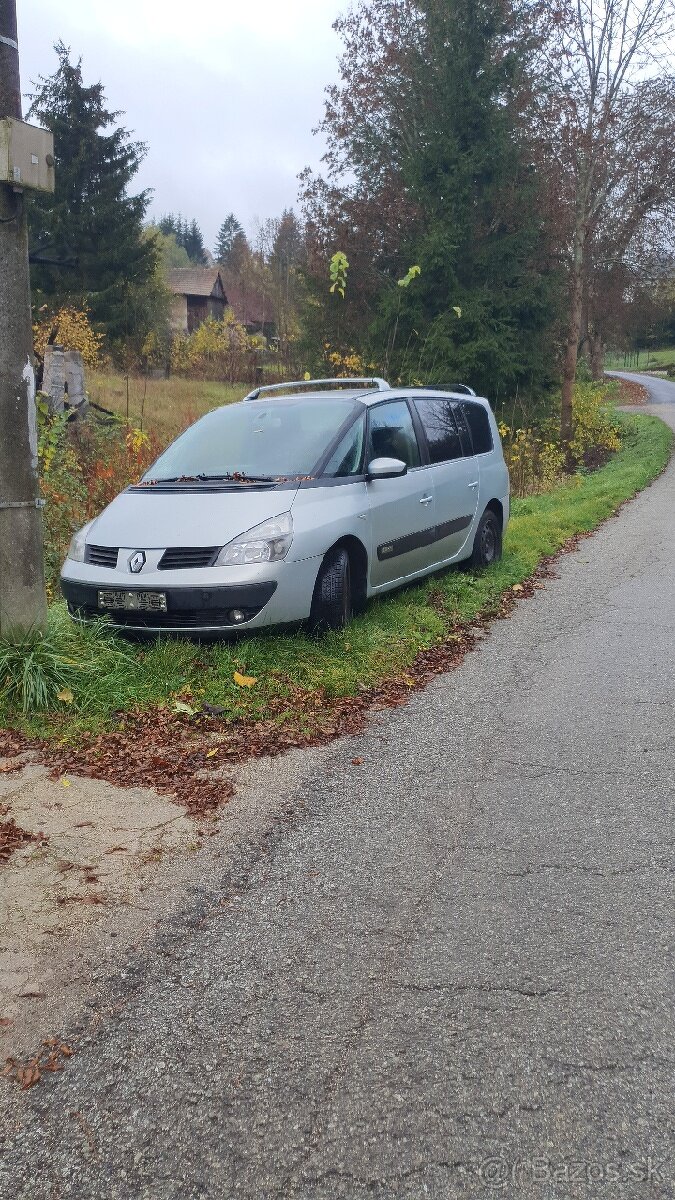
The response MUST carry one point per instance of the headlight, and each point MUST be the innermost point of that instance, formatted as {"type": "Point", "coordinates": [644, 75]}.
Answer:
{"type": "Point", "coordinates": [268, 542]}
{"type": "Point", "coordinates": [78, 543]}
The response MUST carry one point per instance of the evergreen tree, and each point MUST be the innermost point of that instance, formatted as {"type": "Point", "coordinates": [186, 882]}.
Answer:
{"type": "Point", "coordinates": [187, 234]}
{"type": "Point", "coordinates": [193, 242]}
{"type": "Point", "coordinates": [428, 164]}
{"type": "Point", "coordinates": [286, 285]}
{"type": "Point", "coordinates": [287, 252]}
{"type": "Point", "coordinates": [87, 243]}
{"type": "Point", "coordinates": [481, 309]}
{"type": "Point", "coordinates": [239, 257]}
{"type": "Point", "coordinates": [229, 229]}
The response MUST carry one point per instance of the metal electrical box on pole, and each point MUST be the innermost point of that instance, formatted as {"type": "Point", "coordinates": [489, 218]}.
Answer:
{"type": "Point", "coordinates": [26, 155]}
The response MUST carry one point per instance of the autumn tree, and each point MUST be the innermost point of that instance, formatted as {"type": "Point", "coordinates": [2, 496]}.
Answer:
{"type": "Point", "coordinates": [358, 204]}
{"type": "Point", "coordinates": [604, 118]}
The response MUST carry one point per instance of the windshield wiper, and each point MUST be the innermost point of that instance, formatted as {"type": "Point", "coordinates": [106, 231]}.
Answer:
{"type": "Point", "coordinates": [237, 477]}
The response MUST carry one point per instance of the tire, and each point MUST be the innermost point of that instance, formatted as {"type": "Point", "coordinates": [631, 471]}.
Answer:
{"type": "Point", "coordinates": [332, 604]}
{"type": "Point", "coordinates": [487, 544]}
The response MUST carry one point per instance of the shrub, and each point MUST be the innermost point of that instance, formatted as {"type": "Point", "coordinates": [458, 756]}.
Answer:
{"type": "Point", "coordinates": [594, 429]}
{"type": "Point", "coordinates": [535, 457]}
{"type": "Point", "coordinates": [216, 350]}
{"type": "Point", "coordinates": [83, 466]}
{"type": "Point", "coordinates": [71, 328]}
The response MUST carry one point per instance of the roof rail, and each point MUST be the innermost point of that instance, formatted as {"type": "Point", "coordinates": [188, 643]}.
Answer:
{"type": "Point", "coordinates": [462, 388]}
{"type": "Point", "coordinates": [373, 381]}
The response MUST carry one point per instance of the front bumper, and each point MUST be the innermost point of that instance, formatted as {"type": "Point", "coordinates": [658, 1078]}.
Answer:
{"type": "Point", "coordinates": [196, 609]}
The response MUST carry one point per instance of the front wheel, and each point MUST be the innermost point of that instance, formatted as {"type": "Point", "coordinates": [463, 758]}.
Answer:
{"type": "Point", "coordinates": [332, 604]}
{"type": "Point", "coordinates": [487, 544]}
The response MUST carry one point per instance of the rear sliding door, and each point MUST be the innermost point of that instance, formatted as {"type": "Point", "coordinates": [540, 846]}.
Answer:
{"type": "Point", "coordinates": [454, 473]}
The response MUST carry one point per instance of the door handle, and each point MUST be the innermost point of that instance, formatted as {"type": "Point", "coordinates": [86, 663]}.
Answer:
{"type": "Point", "coordinates": [426, 499]}
{"type": "Point", "coordinates": [474, 484]}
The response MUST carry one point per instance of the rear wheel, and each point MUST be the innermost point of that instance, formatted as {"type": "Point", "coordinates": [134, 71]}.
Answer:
{"type": "Point", "coordinates": [487, 544]}
{"type": "Point", "coordinates": [332, 604]}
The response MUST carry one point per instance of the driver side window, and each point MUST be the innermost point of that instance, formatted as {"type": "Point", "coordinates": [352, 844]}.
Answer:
{"type": "Point", "coordinates": [392, 434]}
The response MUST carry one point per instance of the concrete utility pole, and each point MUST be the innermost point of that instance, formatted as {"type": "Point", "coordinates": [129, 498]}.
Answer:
{"type": "Point", "coordinates": [23, 602]}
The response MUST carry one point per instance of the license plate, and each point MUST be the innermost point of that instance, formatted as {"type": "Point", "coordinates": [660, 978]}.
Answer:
{"type": "Point", "coordinates": [133, 601]}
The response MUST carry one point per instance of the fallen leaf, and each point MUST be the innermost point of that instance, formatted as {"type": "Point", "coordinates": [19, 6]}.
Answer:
{"type": "Point", "coordinates": [210, 753]}
{"type": "Point", "coordinates": [65, 782]}
{"type": "Point", "coordinates": [356, 762]}
{"type": "Point", "coordinates": [65, 695]}
{"type": "Point", "coordinates": [180, 706]}
{"type": "Point", "coordinates": [5, 1021]}
{"type": "Point", "coordinates": [28, 1075]}
{"type": "Point", "coordinates": [244, 680]}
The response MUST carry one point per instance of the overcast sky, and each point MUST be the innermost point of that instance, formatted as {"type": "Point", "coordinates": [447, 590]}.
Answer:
{"type": "Point", "coordinates": [225, 93]}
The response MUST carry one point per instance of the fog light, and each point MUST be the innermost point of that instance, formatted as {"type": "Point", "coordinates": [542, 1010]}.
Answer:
{"type": "Point", "coordinates": [237, 616]}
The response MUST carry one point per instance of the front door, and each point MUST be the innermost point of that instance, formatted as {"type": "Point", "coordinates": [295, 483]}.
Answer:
{"type": "Point", "coordinates": [402, 517]}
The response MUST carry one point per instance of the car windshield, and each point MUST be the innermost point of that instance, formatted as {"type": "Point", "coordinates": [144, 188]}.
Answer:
{"type": "Point", "coordinates": [254, 441]}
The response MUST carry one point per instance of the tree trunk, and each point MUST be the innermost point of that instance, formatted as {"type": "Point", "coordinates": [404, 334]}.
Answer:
{"type": "Point", "coordinates": [597, 357]}
{"type": "Point", "coordinates": [575, 317]}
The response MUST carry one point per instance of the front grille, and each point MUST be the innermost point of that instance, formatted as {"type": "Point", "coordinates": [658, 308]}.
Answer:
{"type": "Point", "coordinates": [101, 556]}
{"type": "Point", "coordinates": [218, 617]}
{"type": "Point", "coordinates": [186, 558]}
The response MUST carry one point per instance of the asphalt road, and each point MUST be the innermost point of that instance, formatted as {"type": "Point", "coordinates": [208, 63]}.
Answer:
{"type": "Point", "coordinates": [445, 972]}
{"type": "Point", "coordinates": [661, 391]}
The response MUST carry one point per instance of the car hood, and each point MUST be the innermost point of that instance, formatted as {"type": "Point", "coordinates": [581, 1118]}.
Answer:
{"type": "Point", "coordinates": [149, 519]}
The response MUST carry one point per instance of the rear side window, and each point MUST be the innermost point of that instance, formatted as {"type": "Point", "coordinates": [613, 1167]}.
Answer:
{"type": "Point", "coordinates": [464, 431]}
{"type": "Point", "coordinates": [440, 428]}
{"type": "Point", "coordinates": [479, 424]}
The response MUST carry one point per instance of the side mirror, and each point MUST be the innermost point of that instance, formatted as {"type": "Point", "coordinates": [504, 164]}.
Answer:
{"type": "Point", "coordinates": [386, 468]}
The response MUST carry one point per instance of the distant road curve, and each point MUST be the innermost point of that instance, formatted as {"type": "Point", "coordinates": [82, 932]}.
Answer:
{"type": "Point", "coordinates": [661, 391]}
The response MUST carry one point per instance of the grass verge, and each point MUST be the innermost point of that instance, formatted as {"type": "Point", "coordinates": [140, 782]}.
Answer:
{"type": "Point", "coordinates": [298, 677]}
{"type": "Point", "coordinates": [161, 406]}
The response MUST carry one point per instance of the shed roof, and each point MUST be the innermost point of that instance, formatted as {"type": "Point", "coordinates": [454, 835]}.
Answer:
{"type": "Point", "coordinates": [194, 281]}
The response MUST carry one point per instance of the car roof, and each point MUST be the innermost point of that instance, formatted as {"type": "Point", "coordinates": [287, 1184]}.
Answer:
{"type": "Point", "coordinates": [367, 398]}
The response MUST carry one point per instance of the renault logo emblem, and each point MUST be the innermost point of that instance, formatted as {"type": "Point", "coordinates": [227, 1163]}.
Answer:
{"type": "Point", "coordinates": [137, 561]}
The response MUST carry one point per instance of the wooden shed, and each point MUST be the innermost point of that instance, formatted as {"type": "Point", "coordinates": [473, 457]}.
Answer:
{"type": "Point", "coordinates": [198, 293]}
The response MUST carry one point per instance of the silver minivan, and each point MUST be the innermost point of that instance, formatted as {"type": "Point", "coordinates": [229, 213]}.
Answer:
{"type": "Point", "coordinates": [296, 504]}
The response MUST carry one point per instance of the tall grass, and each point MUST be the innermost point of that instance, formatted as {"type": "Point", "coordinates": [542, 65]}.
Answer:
{"type": "Point", "coordinates": [161, 406]}
{"type": "Point", "coordinates": [46, 671]}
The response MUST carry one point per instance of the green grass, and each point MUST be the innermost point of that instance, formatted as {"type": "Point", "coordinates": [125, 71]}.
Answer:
{"type": "Point", "coordinates": [382, 642]}
{"type": "Point", "coordinates": [642, 360]}
{"type": "Point", "coordinates": [161, 406]}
